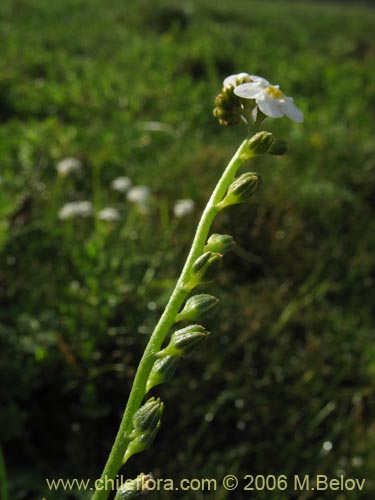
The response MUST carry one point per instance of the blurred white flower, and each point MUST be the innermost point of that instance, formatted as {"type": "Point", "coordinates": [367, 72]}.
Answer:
{"type": "Point", "coordinates": [76, 209]}
{"type": "Point", "coordinates": [109, 214]}
{"type": "Point", "coordinates": [232, 79]}
{"type": "Point", "coordinates": [68, 165]}
{"type": "Point", "coordinates": [269, 98]}
{"type": "Point", "coordinates": [121, 184]}
{"type": "Point", "coordinates": [183, 207]}
{"type": "Point", "coordinates": [138, 194]}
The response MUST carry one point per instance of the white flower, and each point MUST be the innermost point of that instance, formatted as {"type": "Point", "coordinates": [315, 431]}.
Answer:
{"type": "Point", "coordinates": [121, 184]}
{"type": "Point", "coordinates": [138, 194]}
{"type": "Point", "coordinates": [68, 165]}
{"type": "Point", "coordinates": [183, 207]}
{"type": "Point", "coordinates": [109, 214]}
{"type": "Point", "coordinates": [76, 209]}
{"type": "Point", "coordinates": [232, 79]}
{"type": "Point", "coordinates": [269, 98]}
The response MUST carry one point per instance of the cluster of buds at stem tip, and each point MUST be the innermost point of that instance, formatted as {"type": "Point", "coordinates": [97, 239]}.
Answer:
{"type": "Point", "coordinates": [228, 106]}
{"type": "Point", "coordinates": [135, 487]}
{"type": "Point", "coordinates": [196, 307]}
{"type": "Point", "coordinates": [146, 423]}
{"type": "Point", "coordinates": [241, 189]}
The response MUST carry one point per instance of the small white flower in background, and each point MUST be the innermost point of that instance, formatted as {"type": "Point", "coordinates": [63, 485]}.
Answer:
{"type": "Point", "coordinates": [109, 214]}
{"type": "Point", "coordinates": [269, 98]}
{"type": "Point", "coordinates": [76, 209]}
{"type": "Point", "coordinates": [138, 194]}
{"type": "Point", "coordinates": [183, 207]}
{"type": "Point", "coordinates": [68, 165]}
{"type": "Point", "coordinates": [121, 184]}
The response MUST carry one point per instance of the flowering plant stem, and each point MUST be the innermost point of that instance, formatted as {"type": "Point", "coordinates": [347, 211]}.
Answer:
{"type": "Point", "coordinates": [167, 319]}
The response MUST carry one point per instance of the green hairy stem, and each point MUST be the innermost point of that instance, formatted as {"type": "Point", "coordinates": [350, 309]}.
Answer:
{"type": "Point", "coordinates": [137, 393]}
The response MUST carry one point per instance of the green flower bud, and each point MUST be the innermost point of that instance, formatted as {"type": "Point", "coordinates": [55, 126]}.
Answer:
{"type": "Point", "coordinates": [241, 189]}
{"type": "Point", "coordinates": [146, 422]}
{"type": "Point", "coordinates": [184, 341]}
{"type": "Point", "coordinates": [147, 417]}
{"type": "Point", "coordinates": [220, 243]}
{"type": "Point", "coordinates": [134, 487]}
{"type": "Point", "coordinates": [258, 144]}
{"type": "Point", "coordinates": [162, 371]}
{"type": "Point", "coordinates": [196, 307]}
{"type": "Point", "coordinates": [140, 443]}
{"type": "Point", "coordinates": [204, 269]}
{"type": "Point", "coordinates": [278, 147]}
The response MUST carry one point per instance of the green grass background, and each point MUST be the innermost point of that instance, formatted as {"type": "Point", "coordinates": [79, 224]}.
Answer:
{"type": "Point", "coordinates": [291, 361]}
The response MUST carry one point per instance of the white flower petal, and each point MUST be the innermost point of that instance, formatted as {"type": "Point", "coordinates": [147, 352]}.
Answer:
{"type": "Point", "coordinates": [261, 81]}
{"type": "Point", "coordinates": [231, 80]}
{"type": "Point", "coordinates": [291, 110]}
{"type": "Point", "coordinates": [270, 106]}
{"type": "Point", "coordinates": [248, 90]}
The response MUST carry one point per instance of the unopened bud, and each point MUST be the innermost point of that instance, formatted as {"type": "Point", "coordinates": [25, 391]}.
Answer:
{"type": "Point", "coordinates": [205, 268]}
{"type": "Point", "coordinates": [162, 371]}
{"type": "Point", "coordinates": [140, 443]}
{"type": "Point", "coordinates": [278, 147]}
{"type": "Point", "coordinates": [241, 189]}
{"type": "Point", "coordinates": [184, 341]}
{"type": "Point", "coordinates": [196, 307]}
{"type": "Point", "coordinates": [258, 144]}
{"type": "Point", "coordinates": [146, 422]}
{"type": "Point", "coordinates": [147, 417]}
{"type": "Point", "coordinates": [134, 487]}
{"type": "Point", "coordinates": [220, 243]}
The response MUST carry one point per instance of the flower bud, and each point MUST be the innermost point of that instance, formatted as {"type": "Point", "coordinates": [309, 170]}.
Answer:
{"type": "Point", "coordinates": [140, 443]}
{"type": "Point", "coordinates": [146, 422]}
{"type": "Point", "coordinates": [241, 189]}
{"type": "Point", "coordinates": [220, 243]}
{"type": "Point", "coordinates": [278, 147]}
{"type": "Point", "coordinates": [162, 371]}
{"type": "Point", "coordinates": [196, 307]}
{"type": "Point", "coordinates": [184, 341]}
{"type": "Point", "coordinates": [134, 487]}
{"type": "Point", "coordinates": [147, 417]}
{"type": "Point", "coordinates": [257, 145]}
{"type": "Point", "coordinates": [205, 268]}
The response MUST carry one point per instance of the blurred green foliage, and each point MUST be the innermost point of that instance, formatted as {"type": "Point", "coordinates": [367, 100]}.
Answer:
{"type": "Point", "coordinates": [128, 89]}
